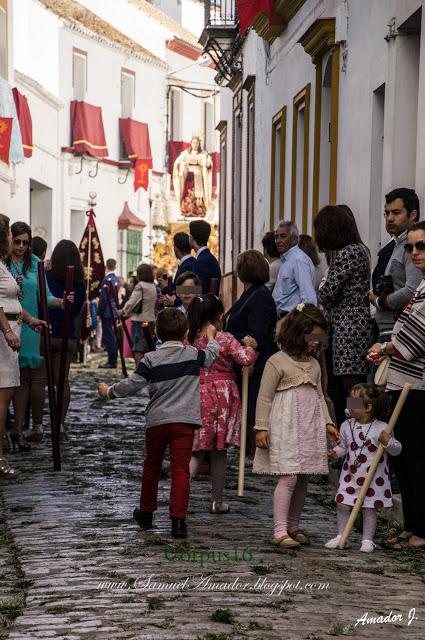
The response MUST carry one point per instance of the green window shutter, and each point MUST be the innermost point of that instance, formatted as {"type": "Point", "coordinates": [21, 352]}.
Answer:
{"type": "Point", "coordinates": [134, 249]}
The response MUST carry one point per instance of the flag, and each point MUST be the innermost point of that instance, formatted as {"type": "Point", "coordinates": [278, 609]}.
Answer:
{"type": "Point", "coordinates": [248, 10]}
{"type": "Point", "coordinates": [94, 271]}
{"type": "Point", "coordinates": [5, 138]}
{"type": "Point", "coordinates": [141, 173]}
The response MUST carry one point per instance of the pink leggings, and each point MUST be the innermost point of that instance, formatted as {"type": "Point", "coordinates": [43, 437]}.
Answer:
{"type": "Point", "coordinates": [288, 502]}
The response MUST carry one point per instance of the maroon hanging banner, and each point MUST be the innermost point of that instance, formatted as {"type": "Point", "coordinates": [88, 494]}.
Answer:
{"type": "Point", "coordinates": [248, 11]}
{"type": "Point", "coordinates": [94, 270]}
{"type": "Point", "coordinates": [25, 121]}
{"type": "Point", "coordinates": [136, 139]}
{"type": "Point", "coordinates": [88, 135]}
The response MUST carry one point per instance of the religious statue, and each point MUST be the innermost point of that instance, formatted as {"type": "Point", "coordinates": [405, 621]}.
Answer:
{"type": "Point", "coordinates": [192, 180]}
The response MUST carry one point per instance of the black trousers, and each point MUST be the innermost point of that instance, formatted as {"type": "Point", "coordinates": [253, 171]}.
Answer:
{"type": "Point", "coordinates": [109, 340]}
{"type": "Point", "coordinates": [409, 465]}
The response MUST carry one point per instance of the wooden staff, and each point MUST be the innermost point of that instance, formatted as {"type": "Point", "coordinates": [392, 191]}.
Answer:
{"type": "Point", "coordinates": [64, 349]}
{"type": "Point", "coordinates": [241, 477]}
{"type": "Point", "coordinates": [213, 286]}
{"type": "Point", "coordinates": [148, 336]}
{"type": "Point", "coordinates": [359, 501]}
{"type": "Point", "coordinates": [49, 368]}
{"type": "Point", "coordinates": [107, 291]}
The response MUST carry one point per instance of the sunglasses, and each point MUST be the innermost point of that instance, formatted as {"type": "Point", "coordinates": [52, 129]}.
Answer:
{"type": "Point", "coordinates": [18, 242]}
{"type": "Point", "coordinates": [419, 246]}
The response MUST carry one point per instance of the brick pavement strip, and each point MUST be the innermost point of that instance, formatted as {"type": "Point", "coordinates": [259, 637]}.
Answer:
{"type": "Point", "coordinates": [75, 566]}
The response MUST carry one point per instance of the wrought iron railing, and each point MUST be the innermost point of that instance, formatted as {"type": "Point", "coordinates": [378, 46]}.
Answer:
{"type": "Point", "coordinates": [220, 13]}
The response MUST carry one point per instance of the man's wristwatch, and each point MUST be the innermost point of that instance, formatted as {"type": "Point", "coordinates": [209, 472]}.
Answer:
{"type": "Point", "coordinates": [384, 349]}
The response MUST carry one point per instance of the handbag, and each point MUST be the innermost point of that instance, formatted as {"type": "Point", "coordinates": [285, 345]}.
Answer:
{"type": "Point", "coordinates": [381, 375]}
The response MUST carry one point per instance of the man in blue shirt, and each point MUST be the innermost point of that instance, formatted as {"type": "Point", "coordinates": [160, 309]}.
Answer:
{"type": "Point", "coordinates": [295, 281]}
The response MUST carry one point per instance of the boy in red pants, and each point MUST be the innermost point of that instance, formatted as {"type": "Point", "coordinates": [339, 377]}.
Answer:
{"type": "Point", "coordinates": [172, 414]}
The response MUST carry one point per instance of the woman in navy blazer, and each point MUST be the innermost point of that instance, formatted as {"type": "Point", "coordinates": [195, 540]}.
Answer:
{"type": "Point", "coordinates": [254, 314]}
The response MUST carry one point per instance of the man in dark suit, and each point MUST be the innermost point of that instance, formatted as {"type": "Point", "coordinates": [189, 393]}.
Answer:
{"type": "Point", "coordinates": [108, 336]}
{"type": "Point", "coordinates": [182, 250]}
{"type": "Point", "coordinates": [206, 265]}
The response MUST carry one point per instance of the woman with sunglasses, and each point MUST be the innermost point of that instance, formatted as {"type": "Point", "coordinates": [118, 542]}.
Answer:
{"type": "Point", "coordinates": [407, 351]}
{"type": "Point", "coordinates": [11, 317]}
{"type": "Point", "coordinates": [23, 267]}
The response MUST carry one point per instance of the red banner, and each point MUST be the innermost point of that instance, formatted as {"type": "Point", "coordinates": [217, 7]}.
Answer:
{"type": "Point", "coordinates": [5, 137]}
{"type": "Point", "coordinates": [25, 121]}
{"type": "Point", "coordinates": [136, 138]}
{"type": "Point", "coordinates": [88, 135]}
{"type": "Point", "coordinates": [94, 271]}
{"type": "Point", "coordinates": [248, 10]}
{"type": "Point", "coordinates": [141, 173]}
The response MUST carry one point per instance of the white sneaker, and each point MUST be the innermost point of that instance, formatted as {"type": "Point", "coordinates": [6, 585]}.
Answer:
{"type": "Point", "coordinates": [333, 544]}
{"type": "Point", "coordinates": [367, 546]}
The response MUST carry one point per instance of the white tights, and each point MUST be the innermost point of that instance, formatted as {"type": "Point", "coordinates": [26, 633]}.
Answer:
{"type": "Point", "coordinates": [218, 470]}
{"type": "Point", "coordinates": [370, 517]}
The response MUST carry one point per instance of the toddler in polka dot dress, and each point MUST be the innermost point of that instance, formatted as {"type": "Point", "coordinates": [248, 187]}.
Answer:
{"type": "Point", "coordinates": [360, 436]}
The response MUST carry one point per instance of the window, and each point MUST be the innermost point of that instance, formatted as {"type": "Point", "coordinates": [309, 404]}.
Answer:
{"type": "Point", "coordinates": [3, 39]}
{"type": "Point", "coordinates": [79, 73]}
{"type": "Point", "coordinates": [236, 177]}
{"type": "Point", "coordinates": [277, 184]}
{"type": "Point", "coordinates": [250, 168]}
{"type": "Point", "coordinates": [134, 249]}
{"type": "Point", "coordinates": [175, 114]}
{"type": "Point", "coordinates": [222, 127]}
{"type": "Point", "coordinates": [208, 125]}
{"type": "Point", "coordinates": [128, 93]}
{"type": "Point", "coordinates": [130, 243]}
{"type": "Point", "coordinates": [300, 158]}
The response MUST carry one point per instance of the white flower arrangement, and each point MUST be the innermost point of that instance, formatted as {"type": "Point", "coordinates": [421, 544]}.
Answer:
{"type": "Point", "coordinates": [300, 307]}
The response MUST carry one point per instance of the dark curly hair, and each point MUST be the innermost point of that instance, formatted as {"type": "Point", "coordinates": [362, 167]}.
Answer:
{"type": "Point", "coordinates": [296, 325]}
{"type": "Point", "coordinates": [4, 236]}
{"type": "Point", "coordinates": [376, 396]}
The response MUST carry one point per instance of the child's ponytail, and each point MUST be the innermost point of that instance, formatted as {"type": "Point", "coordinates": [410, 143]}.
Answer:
{"type": "Point", "coordinates": [201, 311]}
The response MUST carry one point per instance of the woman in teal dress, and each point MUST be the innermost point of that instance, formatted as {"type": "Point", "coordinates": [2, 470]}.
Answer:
{"type": "Point", "coordinates": [23, 267]}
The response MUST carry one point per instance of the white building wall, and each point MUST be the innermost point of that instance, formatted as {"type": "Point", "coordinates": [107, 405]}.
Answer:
{"type": "Point", "coordinates": [35, 53]}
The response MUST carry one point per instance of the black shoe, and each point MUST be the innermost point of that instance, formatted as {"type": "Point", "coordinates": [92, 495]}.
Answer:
{"type": "Point", "coordinates": [143, 518]}
{"type": "Point", "coordinates": [178, 528]}
{"type": "Point", "coordinates": [107, 366]}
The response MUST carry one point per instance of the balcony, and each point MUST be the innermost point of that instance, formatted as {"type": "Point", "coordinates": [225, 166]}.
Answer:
{"type": "Point", "coordinates": [221, 39]}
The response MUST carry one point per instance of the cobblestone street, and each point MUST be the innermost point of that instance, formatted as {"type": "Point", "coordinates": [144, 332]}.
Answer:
{"type": "Point", "coordinates": [75, 566]}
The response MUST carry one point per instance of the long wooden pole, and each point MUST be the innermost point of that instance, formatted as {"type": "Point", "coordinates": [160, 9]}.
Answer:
{"type": "Point", "coordinates": [359, 502]}
{"type": "Point", "coordinates": [49, 367]}
{"type": "Point", "coordinates": [64, 349]}
{"type": "Point", "coordinates": [241, 477]}
{"type": "Point", "coordinates": [107, 291]}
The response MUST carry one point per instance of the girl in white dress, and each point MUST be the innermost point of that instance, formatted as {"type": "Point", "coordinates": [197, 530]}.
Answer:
{"type": "Point", "coordinates": [360, 436]}
{"type": "Point", "coordinates": [292, 421]}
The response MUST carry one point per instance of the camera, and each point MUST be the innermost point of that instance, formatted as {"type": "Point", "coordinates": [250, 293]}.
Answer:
{"type": "Point", "coordinates": [384, 286]}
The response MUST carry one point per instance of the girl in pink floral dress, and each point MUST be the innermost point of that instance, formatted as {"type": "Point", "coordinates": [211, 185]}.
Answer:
{"type": "Point", "coordinates": [220, 401]}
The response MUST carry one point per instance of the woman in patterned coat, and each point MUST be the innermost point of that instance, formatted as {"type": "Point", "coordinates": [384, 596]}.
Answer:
{"type": "Point", "coordinates": [344, 297]}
